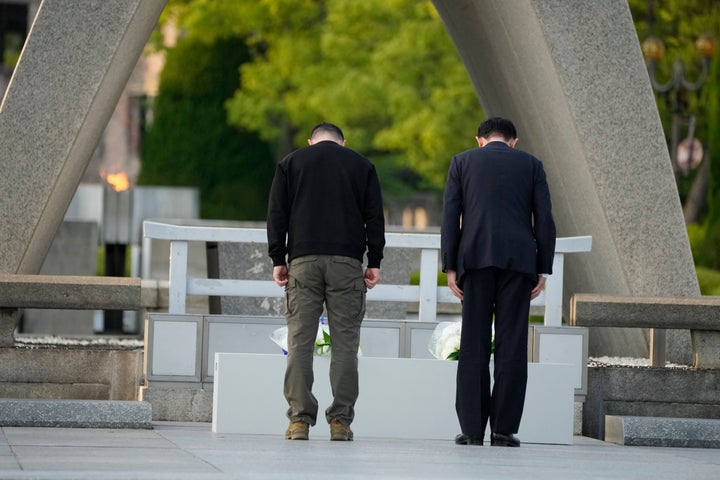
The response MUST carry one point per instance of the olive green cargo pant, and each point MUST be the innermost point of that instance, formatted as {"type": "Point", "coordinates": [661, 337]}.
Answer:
{"type": "Point", "coordinates": [337, 283]}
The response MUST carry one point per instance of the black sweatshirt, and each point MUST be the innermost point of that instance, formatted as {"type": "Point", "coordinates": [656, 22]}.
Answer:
{"type": "Point", "coordinates": [326, 198]}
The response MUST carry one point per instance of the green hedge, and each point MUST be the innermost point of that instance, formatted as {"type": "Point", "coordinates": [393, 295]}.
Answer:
{"type": "Point", "coordinates": [190, 142]}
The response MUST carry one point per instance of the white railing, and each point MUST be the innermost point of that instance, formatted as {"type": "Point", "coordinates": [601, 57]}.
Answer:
{"type": "Point", "coordinates": [428, 294]}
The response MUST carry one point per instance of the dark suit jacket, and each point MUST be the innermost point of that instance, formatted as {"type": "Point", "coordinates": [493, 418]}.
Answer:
{"type": "Point", "coordinates": [497, 212]}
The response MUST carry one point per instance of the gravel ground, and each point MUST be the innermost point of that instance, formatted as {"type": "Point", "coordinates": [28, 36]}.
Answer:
{"type": "Point", "coordinates": [626, 362]}
{"type": "Point", "coordinates": [90, 342]}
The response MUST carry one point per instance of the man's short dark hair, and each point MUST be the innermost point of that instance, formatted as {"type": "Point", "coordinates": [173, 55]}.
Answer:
{"type": "Point", "coordinates": [326, 127]}
{"type": "Point", "coordinates": [497, 125]}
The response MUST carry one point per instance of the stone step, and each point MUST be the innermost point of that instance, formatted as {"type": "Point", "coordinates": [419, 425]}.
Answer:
{"type": "Point", "coordinates": [662, 431]}
{"type": "Point", "coordinates": [75, 413]}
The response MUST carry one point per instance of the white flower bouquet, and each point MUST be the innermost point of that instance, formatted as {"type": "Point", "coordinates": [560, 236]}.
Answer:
{"type": "Point", "coordinates": [322, 340]}
{"type": "Point", "coordinates": [444, 342]}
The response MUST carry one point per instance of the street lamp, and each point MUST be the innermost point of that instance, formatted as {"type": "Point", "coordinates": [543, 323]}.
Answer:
{"type": "Point", "coordinates": [675, 91]}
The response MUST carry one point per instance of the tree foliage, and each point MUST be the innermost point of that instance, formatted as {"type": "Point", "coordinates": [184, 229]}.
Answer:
{"type": "Point", "coordinates": [706, 249]}
{"type": "Point", "coordinates": [384, 70]}
{"type": "Point", "coordinates": [679, 23]}
{"type": "Point", "coordinates": [190, 142]}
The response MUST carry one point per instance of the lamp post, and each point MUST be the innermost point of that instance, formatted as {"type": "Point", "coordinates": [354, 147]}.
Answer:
{"type": "Point", "coordinates": [676, 92]}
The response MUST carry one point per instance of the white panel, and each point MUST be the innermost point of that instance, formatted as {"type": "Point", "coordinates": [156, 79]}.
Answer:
{"type": "Point", "coordinates": [558, 348]}
{"type": "Point", "coordinates": [419, 338]}
{"type": "Point", "coordinates": [174, 348]}
{"type": "Point", "coordinates": [248, 399]}
{"type": "Point", "coordinates": [228, 337]}
{"type": "Point", "coordinates": [380, 342]}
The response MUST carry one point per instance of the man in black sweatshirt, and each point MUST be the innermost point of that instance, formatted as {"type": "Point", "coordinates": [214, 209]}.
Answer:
{"type": "Point", "coordinates": [324, 213]}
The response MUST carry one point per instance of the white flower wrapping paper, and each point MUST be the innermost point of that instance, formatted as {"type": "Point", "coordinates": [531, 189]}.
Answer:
{"type": "Point", "coordinates": [445, 340]}
{"type": "Point", "coordinates": [279, 336]}
{"type": "Point", "coordinates": [322, 340]}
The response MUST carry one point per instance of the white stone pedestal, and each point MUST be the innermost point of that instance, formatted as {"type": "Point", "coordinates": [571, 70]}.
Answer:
{"type": "Point", "coordinates": [399, 398]}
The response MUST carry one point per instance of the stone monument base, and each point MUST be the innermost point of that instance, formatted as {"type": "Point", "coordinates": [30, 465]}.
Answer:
{"type": "Point", "coordinates": [77, 373]}
{"type": "Point", "coordinates": [649, 392]}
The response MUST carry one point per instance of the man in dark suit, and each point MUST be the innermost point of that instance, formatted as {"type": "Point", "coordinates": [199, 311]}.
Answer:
{"type": "Point", "coordinates": [498, 243]}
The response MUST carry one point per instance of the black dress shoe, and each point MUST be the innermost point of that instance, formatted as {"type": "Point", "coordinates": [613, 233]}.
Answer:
{"type": "Point", "coordinates": [463, 439]}
{"type": "Point", "coordinates": [500, 440]}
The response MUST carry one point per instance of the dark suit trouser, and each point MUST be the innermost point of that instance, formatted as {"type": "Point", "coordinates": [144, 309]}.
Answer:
{"type": "Point", "coordinates": [505, 295]}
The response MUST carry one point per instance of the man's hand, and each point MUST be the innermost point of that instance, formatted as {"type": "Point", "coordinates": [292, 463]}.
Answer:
{"type": "Point", "coordinates": [538, 287]}
{"type": "Point", "coordinates": [372, 277]}
{"type": "Point", "coordinates": [452, 283]}
{"type": "Point", "coordinates": [280, 275]}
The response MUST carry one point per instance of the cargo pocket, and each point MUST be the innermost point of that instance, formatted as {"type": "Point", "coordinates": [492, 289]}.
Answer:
{"type": "Point", "coordinates": [360, 290]}
{"type": "Point", "coordinates": [291, 296]}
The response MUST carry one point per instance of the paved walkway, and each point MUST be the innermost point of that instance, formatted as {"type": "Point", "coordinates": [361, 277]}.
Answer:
{"type": "Point", "coordinates": [192, 451]}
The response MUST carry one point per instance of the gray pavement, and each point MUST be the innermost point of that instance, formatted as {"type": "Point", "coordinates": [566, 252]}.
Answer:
{"type": "Point", "coordinates": [191, 451]}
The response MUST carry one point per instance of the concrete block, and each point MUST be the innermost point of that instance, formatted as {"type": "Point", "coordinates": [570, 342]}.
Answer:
{"type": "Point", "coordinates": [69, 291]}
{"type": "Point", "coordinates": [118, 370]}
{"type": "Point", "coordinates": [75, 413]}
{"type": "Point", "coordinates": [706, 347]}
{"type": "Point", "coordinates": [697, 313]}
{"type": "Point", "coordinates": [46, 390]}
{"type": "Point", "coordinates": [8, 325]}
{"type": "Point", "coordinates": [178, 404]}
{"type": "Point", "coordinates": [577, 418]}
{"type": "Point", "coordinates": [662, 432]}
{"type": "Point", "coordinates": [247, 261]}
{"type": "Point", "coordinates": [665, 392]}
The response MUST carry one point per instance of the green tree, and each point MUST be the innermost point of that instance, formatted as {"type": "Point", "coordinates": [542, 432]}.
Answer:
{"type": "Point", "coordinates": [385, 70]}
{"type": "Point", "coordinates": [190, 142]}
{"type": "Point", "coordinates": [679, 23]}
{"type": "Point", "coordinates": [706, 251]}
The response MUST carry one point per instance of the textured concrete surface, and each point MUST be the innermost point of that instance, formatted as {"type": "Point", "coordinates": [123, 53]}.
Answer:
{"type": "Point", "coordinates": [662, 432]}
{"type": "Point", "coordinates": [698, 314]}
{"type": "Point", "coordinates": [706, 347]}
{"type": "Point", "coordinates": [8, 324]}
{"type": "Point", "coordinates": [192, 451]}
{"type": "Point", "coordinates": [64, 292]}
{"type": "Point", "coordinates": [70, 291]}
{"type": "Point", "coordinates": [80, 373]}
{"type": "Point", "coordinates": [179, 404]}
{"type": "Point", "coordinates": [649, 392]}
{"type": "Point", "coordinates": [572, 77]}
{"type": "Point", "coordinates": [75, 63]}
{"type": "Point", "coordinates": [75, 413]}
